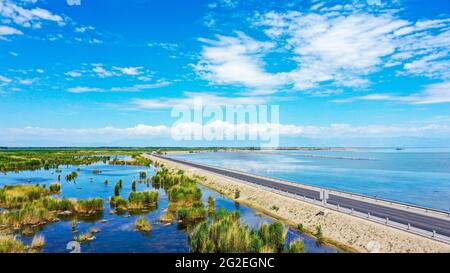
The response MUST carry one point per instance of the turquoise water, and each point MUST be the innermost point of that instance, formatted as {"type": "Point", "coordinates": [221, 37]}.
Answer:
{"type": "Point", "coordinates": [419, 176]}
{"type": "Point", "coordinates": [118, 233]}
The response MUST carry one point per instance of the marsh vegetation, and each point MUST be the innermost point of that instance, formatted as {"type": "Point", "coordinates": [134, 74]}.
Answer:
{"type": "Point", "coordinates": [142, 224]}
{"type": "Point", "coordinates": [224, 233]}
{"type": "Point", "coordinates": [34, 211]}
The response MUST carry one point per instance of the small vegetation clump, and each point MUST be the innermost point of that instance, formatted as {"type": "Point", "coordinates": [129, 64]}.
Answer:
{"type": "Point", "coordinates": [184, 193]}
{"type": "Point", "coordinates": [34, 159]}
{"type": "Point", "coordinates": [143, 224]}
{"type": "Point", "coordinates": [142, 175]}
{"type": "Point", "coordinates": [55, 187]}
{"type": "Point", "coordinates": [193, 213]}
{"type": "Point", "coordinates": [117, 188]}
{"type": "Point", "coordinates": [89, 206]}
{"type": "Point", "coordinates": [32, 213]}
{"type": "Point", "coordinates": [17, 195]}
{"type": "Point", "coordinates": [225, 234]}
{"type": "Point", "coordinates": [38, 242]}
{"type": "Point", "coordinates": [118, 202]}
{"type": "Point", "coordinates": [88, 236]}
{"type": "Point", "coordinates": [143, 200]}
{"type": "Point", "coordinates": [275, 208]}
{"type": "Point", "coordinates": [96, 171]}
{"type": "Point", "coordinates": [138, 160]}
{"type": "Point", "coordinates": [211, 205]}
{"type": "Point", "coordinates": [297, 247]}
{"type": "Point", "coordinates": [319, 235]}
{"type": "Point", "coordinates": [166, 217]}
{"type": "Point", "coordinates": [71, 176]}
{"type": "Point", "coordinates": [237, 194]}
{"type": "Point", "coordinates": [58, 204]}
{"type": "Point", "coordinates": [10, 244]}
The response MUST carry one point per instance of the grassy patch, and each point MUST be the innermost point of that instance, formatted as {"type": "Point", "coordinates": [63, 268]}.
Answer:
{"type": "Point", "coordinates": [88, 236]}
{"type": "Point", "coordinates": [118, 202]}
{"type": "Point", "coordinates": [38, 242]}
{"type": "Point", "coordinates": [33, 213]}
{"type": "Point", "coordinates": [142, 200]}
{"type": "Point", "coordinates": [211, 205]}
{"type": "Point", "coordinates": [55, 187]}
{"type": "Point", "coordinates": [143, 224]}
{"type": "Point", "coordinates": [225, 234]}
{"type": "Point", "coordinates": [193, 213]}
{"type": "Point", "coordinates": [17, 195]}
{"type": "Point", "coordinates": [88, 206]}
{"type": "Point", "coordinates": [9, 244]}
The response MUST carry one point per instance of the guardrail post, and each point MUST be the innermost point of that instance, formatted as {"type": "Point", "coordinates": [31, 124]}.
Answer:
{"type": "Point", "coordinates": [338, 206]}
{"type": "Point", "coordinates": [352, 211]}
{"type": "Point", "coordinates": [368, 215]}
{"type": "Point", "coordinates": [409, 226]}
{"type": "Point", "coordinates": [434, 233]}
{"type": "Point", "coordinates": [387, 220]}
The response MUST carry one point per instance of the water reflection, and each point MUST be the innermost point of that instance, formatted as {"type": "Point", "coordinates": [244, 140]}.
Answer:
{"type": "Point", "coordinates": [116, 230]}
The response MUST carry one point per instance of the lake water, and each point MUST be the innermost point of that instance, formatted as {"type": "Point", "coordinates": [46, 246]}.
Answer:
{"type": "Point", "coordinates": [118, 233]}
{"type": "Point", "coordinates": [419, 176]}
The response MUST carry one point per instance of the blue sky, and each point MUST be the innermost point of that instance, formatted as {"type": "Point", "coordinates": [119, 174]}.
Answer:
{"type": "Point", "coordinates": [107, 72]}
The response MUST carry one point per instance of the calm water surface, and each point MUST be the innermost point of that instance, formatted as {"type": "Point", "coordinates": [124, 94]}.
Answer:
{"type": "Point", "coordinates": [418, 176]}
{"type": "Point", "coordinates": [118, 233]}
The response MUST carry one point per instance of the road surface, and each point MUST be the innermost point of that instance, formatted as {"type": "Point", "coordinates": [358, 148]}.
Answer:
{"type": "Point", "coordinates": [416, 220]}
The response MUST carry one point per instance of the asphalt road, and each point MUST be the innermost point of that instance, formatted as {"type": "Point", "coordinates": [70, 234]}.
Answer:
{"type": "Point", "coordinates": [421, 221]}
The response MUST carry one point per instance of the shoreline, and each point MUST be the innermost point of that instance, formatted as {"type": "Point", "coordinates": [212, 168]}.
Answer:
{"type": "Point", "coordinates": [341, 230]}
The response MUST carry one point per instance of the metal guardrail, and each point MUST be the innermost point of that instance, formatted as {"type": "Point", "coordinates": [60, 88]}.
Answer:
{"type": "Point", "coordinates": [374, 199]}
{"type": "Point", "coordinates": [350, 211]}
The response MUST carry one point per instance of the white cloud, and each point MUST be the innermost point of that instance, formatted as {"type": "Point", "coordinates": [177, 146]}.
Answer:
{"type": "Point", "coordinates": [129, 70]}
{"type": "Point", "coordinates": [74, 2]}
{"type": "Point", "coordinates": [166, 46]}
{"type": "Point", "coordinates": [27, 17]}
{"type": "Point", "coordinates": [73, 74]}
{"type": "Point", "coordinates": [191, 98]}
{"type": "Point", "coordinates": [84, 89]}
{"type": "Point", "coordinates": [104, 71]}
{"type": "Point", "coordinates": [133, 88]}
{"type": "Point", "coordinates": [331, 46]}
{"type": "Point", "coordinates": [101, 71]}
{"type": "Point", "coordinates": [95, 41]}
{"type": "Point", "coordinates": [27, 81]}
{"type": "Point", "coordinates": [6, 30]}
{"type": "Point", "coordinates": [432, 94]}
{"type": "Point", "coordinates": [142, 131]}
{"type": "Point", "coordinates": [139, 87]}
{"type": "Point", "coordinates": [237, 60]}
{"type": "Point", "coordinates": [5, 79]}
{"type": "Point", "coordinates": [83, 29]}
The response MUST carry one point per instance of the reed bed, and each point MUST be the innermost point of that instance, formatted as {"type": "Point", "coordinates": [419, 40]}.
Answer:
{"type": "Point", "coordinates": [55, 188]}
{"type": "Point", "coordinates": [143, 224]}
{"type": "Point", "coordinates": [225, 234]}
{"type": "Point", "coordinates": [10, 244]}
{"type": "Point", "coordinates": [17, 195]}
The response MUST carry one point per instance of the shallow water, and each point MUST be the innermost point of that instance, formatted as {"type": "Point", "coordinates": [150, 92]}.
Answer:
{"type": "Point", "coordinates": [419, 176]}
{"type": "Point", "coordinates": [118, 233]}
